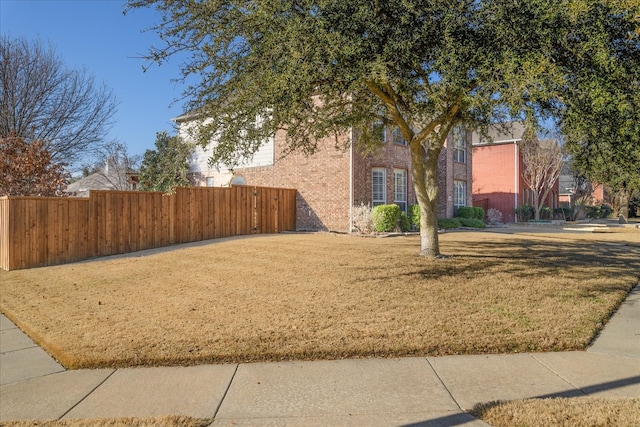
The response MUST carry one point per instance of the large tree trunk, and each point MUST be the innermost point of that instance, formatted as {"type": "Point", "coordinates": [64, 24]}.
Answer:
{"type": "Point", "coordinates": [537, 205]}
{"type": "Point", "coordinates": [620, 203]}
{"type": "Point", "coordinates": [425, 182]}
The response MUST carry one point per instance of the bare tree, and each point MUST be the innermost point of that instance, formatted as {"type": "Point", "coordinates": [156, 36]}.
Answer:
{"type": "Point", "coordinates": [542, 160]}
{"type": "Point", "coordinates": [42, 100]}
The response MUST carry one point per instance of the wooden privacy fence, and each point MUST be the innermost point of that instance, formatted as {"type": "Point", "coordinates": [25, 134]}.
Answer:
{"type": "Point", "coordinates": [41, 231]}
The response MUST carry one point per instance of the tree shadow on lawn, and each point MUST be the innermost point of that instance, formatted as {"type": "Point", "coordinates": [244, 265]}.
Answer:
{"type": "Point", "coordinates": [525, 258]}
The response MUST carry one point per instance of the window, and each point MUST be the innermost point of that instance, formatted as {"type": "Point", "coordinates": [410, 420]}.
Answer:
{"type": "Point", "coordinates": [459, 194]}
{"type": "Point", "coordinates": [380, 130]}
{"type": "Point", "coordinates": [398, 138]}
{"type": "Point", "coordinates": [459, 145]}
{"type": "Point", "coordinates": [379, 186]}
{"type": "Point", "coordinates": [210, 181]}
{"type": "Point", "coordinates": [400, 188]}
{"type": "Point", "coordinates": [238, 180]}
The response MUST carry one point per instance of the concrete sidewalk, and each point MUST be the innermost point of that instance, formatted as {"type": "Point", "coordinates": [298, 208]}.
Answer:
{"type": "Point", "coordinates": [415, 391]}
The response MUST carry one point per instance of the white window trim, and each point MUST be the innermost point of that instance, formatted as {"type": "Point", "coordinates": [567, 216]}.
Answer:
{"type": "Point", "coordinates": [402, 173]}
{"type": "Point", "coordinates": [459, 192]}
{"type": "Point", "coordinates": [459, 145]}
{"type": "Point", "coordinates": [383, 199]}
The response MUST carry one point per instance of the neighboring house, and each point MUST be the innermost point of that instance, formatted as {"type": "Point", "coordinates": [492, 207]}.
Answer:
{"type": "Point", "coordinates": [110, 178]}
{"type": "Point", "coordinates": [333, 181]}
{"type": "Point", "coordinates": [497, 172]}
{"type": "Point", "coordinates": [569, 194]}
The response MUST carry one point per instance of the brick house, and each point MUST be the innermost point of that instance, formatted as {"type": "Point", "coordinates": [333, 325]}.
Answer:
{"type": "Point", "coordinates": [333, 180]}
{"type": "Point", "coordinates": [567, 184]}
{"type": "Point", "coordinates": [497, 172]}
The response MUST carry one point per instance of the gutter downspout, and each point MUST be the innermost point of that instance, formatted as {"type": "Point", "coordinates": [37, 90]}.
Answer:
{"type": "Point", "coordinates": [350, 179]}
{"type": "Point", "coordinates": [515, 179]}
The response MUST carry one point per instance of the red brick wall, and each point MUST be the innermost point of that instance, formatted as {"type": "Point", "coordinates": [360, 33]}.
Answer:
{"type": "Point", "coordinates": [450, 170]}
{"type": "Point", "coordinates": [322, 181]}
{"type": "Point", "coordinates": [390, 156]}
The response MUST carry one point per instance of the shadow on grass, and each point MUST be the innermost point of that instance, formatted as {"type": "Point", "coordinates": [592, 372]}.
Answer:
{"type": "Point", "coordinates": [524, 258]}
{"type": "Point", "coordinates": [481, 410]}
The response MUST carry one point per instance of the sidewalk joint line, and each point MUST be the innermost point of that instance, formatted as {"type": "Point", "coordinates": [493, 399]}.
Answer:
{"type": "Point", "coordinates": [533, 355]}
{"type": "Point", "coordinates": [444, 385]}
{"type": "Point", "coordinates": [87, 395]}
{"type": "Point", "coordinates": [224, 396]}
{"type": "Point", "coordinates": [23, 348]}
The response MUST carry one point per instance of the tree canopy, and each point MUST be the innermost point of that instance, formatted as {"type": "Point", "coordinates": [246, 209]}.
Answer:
{"type": "Point", "coordinates": [601, 114]}
{"type": "Point", "coordinates": [320, 68]}
{"type": "Point", "coordinates": [166, 167]}
{"type": "Point", "coordinates": [42, 100]}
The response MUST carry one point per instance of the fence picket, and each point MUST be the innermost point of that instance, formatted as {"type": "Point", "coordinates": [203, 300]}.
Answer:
{"type": "Point", "coordinates": [41, 231]}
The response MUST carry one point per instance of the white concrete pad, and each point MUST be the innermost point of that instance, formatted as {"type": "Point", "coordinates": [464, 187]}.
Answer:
{"type": "Point", "coordinates": [14, 339]}
{"type": "Point", "coordinates": [48, 397]}
{"type": "Point", "coordinates": [148, 392]}
{"type": "Point", "coordinates": [485, 378]}
{"type": "Point", "coordinates": [596, 374]}
{"type": "Point", "coordinates": [342, 388]}
{"type": "Point", "coordinates": [433, 419]}
{"type": "Point", "coordinates": [5, 323]}
{"type": "Point", "coordinates": [25, 364]}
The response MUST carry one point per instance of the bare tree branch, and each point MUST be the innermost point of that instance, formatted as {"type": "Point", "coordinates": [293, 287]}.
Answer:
{"type": "Point", "coordinates": [42, 100]}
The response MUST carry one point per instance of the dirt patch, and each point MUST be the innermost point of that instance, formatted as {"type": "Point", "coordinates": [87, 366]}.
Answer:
{"type": "Point", "coordinates": [323, 296]}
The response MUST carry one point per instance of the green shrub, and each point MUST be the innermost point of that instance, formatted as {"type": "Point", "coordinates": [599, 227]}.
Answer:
{"type": "Point", "coordinates": [598, 211]}
{"type": "Point", "coordinates": [470, 212]}
{"type": "Point", "coordinates": [465, 212]}
{"type": "Point", "coordinates": [449, 223]}
{"type": "Point", "coordinates": [472, 222]}
{"type": "Point", "coordinates": [385, 217]}
{"type": "Point", "coordinates": [546, 213]}
{"type": "Point", "coordinates": [479, 213]}
{"type": "Point", "coordinates": [564, 214]}
{"type": "Point", "coordinates": [404, 223]}
{"type": "Point", "coordinates": [414, 216]}
{"type": "Point", "coordinates": [525, 213]}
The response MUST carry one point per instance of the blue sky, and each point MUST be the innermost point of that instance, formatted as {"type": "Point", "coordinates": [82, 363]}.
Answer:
{"type": "Point", "coordinates": [95, 35]}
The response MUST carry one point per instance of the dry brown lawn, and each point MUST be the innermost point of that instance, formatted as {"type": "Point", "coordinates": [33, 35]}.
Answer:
{"type": "Point", "coordinates": [319, 296]}
{"type": "Point", "coordinates": [591, 412]}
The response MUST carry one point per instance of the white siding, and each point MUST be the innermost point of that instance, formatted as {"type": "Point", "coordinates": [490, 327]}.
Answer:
{"type": "Point", "coordinates": [222, 176]}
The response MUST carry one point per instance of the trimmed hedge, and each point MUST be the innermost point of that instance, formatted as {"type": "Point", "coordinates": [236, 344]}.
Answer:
{"type": "Point", "coordinates": [565, 214]}
{"type": "Point", "coordinates": [476, 221]}
{"type": "Point", "coordinates": [385, 218]}
{"type": "Point", "coordinates": [448, 223]}
{"type": "Point", "coordinates": [525, 212]}
{"type": "Point", "coordinates": [602, 211]}
{"type": "Point", "coordinates": [414, 216]}
{"type": "Point", "coordinates": [470, 212]}
{"type": "Point", "coordinates": [404, 223]}
{"type": "Point", "coordinates": [472, 222]}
